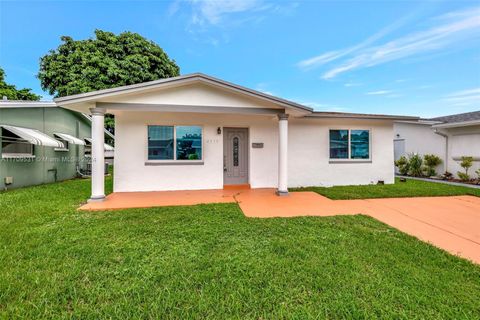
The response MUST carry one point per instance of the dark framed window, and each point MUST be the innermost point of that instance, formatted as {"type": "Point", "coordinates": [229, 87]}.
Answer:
{"type": "Point", "coordinates": [360, 144]}
{"type": "Point", "coordinates": [338, 144]}
{"type": "Point", "coordinates": [189, 142]}
{"type": "Point", "coordinates": [349, 144]}
{"type": "Point", "coordinates": [174, 143]}
{"type": "Point", "coordinates": [160, 143]}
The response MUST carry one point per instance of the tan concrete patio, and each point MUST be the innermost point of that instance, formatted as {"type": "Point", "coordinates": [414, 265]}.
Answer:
{"type": "Point", "coordinates": [451, 223]}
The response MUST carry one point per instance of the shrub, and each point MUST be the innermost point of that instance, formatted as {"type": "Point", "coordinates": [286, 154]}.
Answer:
{"type": "Point", "coordinates": [402, 165]}
{"type": "Point", "coordinates": [478, 173]}
{"type": "Point", "coordinates": [463, 176]}
{"type": "Point", "coordinates": [466, 164]}
{"type": "Point", "coordinates": [415, 163]}
{"type": "Point", "coordinates": [431, 162]}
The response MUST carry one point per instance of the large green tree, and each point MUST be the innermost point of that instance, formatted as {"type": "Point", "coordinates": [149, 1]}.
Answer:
{"type": "Point", "coordinates": [12, 93]}
{"type": "Point", "coordinates": [106, 61]}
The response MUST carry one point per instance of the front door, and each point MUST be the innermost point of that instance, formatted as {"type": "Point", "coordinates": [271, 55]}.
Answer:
{"type": "Point", "coordinates": [235, 156]}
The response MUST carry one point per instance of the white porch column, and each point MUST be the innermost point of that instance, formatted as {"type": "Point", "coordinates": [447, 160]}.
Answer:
{"type": "Point", "coordinates": [282, 155]}
{"type": "Point", "coordinates": [98, 154]}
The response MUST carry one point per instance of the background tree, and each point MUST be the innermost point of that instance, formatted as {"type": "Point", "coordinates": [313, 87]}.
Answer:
{"type": "Point", "coordinates": [12, 93]}
{"type": "Point", "coordinates": [106, 61]}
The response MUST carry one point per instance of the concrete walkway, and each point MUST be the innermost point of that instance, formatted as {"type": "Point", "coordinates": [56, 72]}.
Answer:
{"type": "Point", "coordinates": [451, 223]}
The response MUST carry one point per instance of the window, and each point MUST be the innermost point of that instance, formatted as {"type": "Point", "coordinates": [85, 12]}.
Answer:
{"type": "Point", "coordinates": [174, 143]}
{"type": "Point", "coordinates": [360, 145]}
{"type": "Point", "coordinates": [350, 144]}
{"type": "Point", "coordinates": [65, 145]}
{"type": "Point", "coordinates": [160, 143]}
{"type": "Point", "coordinates": [235, 151]}
{"type": "Point", "coordinates": [338, 144]}
{"type": "Point", "coordinates": [13, 146]}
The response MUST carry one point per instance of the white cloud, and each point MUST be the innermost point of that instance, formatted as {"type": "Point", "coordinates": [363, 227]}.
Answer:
{"type": "Point", "coordinates": [321, 59]}
{"type": "Point", "coordinates": [464, 97]}
{"type": "Point", "coordinates": [464, 93]}
{"type": "Point", "coordinates": [435, 38]}
{"type": "Point", "coordinates": [378, 93]}
{"type": "Point", "coordinates": [337, 54]}
{"type": "Point", "coordinates": [460, 27]}
{"type": "Point", "coordinates": [352, 84]}
{"type": "Point", "coordinates": [217, 12]}
{"type": "Point", "coordinates": [263, 87]}
{"type": "Point", "coordinates": [214, 11]}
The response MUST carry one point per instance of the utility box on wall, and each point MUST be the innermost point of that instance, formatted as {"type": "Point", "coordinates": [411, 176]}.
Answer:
{"type": "Point", "coordinates": [8, 180]}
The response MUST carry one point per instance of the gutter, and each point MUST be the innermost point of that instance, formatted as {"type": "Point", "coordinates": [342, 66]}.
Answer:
{"type": "Point", "coordinates": [457, 124]}
{"type": "Point", "coordinates": [446, 146]}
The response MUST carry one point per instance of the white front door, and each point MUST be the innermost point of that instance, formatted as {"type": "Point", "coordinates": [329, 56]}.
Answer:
{"type": "Point", "coordinates": [235, 156]}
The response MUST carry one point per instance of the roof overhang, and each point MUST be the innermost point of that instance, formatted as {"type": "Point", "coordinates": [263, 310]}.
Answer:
{"type": "Point", "coordinates": [457, 124]}
{"type": "Point", "coordinates": [27, 104]}
{"type": "Point", "coordinates": [419, 122]}
{"type": "Point", "coordinates": [344, 115]}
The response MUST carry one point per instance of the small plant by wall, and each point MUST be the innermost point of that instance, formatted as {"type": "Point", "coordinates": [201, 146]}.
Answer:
{"type": "Point", "coordinates": [466, 163]}
{"type": "Point", "coordinates": [431, 162]}
{"type": "Point", "coordinates": [402, 165]}
{"type": "Point", "coordinates": [415, 165]}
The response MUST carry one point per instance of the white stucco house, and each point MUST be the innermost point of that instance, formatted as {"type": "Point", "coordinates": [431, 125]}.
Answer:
{"type": "Point", "coordinates": [449, 137]}
{"type": "Point", "coordinates": [196, 132]}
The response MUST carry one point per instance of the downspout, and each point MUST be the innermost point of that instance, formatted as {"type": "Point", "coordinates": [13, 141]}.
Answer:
{"type": "Point", "coordinates": [446, 146]}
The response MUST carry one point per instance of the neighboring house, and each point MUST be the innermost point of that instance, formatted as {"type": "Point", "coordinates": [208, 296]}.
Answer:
{"type": "Point", "coordinates": [197, 132]}
{"type": "Point", "coordinates": [449, 137]}
{"type": "Point", "coordinates": [41, 143]}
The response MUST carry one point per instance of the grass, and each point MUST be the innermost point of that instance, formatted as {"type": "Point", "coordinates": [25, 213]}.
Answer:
{"type": "Point", "coordinates": [209, 261]}
{"type": "Point", "coordinates": [411, 188]}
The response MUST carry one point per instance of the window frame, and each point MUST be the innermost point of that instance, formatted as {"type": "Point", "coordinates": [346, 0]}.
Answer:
{"type": "Point", "coordinates": [174, 160]}
{"type": "Point", "coordinates": [9, 155]}
{"type": "Point", "coordinates": [6, 155]}
{"type": "Point", "coordinates": [349, 159]}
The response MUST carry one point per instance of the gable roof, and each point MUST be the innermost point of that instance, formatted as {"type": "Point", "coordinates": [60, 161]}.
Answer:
{"type": "Point", "coordinates": [94, 95]}
{"type": "Point", "coordinates": [460, 117]}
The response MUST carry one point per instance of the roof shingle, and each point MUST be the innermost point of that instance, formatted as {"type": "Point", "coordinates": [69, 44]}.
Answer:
{"type": "Point", "coordinates": [461, 117]}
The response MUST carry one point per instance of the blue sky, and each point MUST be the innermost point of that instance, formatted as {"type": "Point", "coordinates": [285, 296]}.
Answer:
{"type": "Point", "coordinates": [392, 57]}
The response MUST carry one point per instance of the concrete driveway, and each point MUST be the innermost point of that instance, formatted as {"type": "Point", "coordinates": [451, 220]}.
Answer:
{"type": "Point", "coordinates": [450, 223]}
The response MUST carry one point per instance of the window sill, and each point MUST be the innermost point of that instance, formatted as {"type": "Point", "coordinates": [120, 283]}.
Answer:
{"type": "Point", "coordinates": [175, 163]}
{"type": "Point", "coordinates": [61, 150]}
{"type": "Point", "coordinates": [334, 161]}
{"type": "Point", "coordinates": [17, 156]}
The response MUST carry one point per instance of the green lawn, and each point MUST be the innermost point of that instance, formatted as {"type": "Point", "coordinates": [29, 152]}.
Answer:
{"type": "Point", "coordinates": [411, 188]}
{"type": "Point", "coordinates": [209, 261]}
